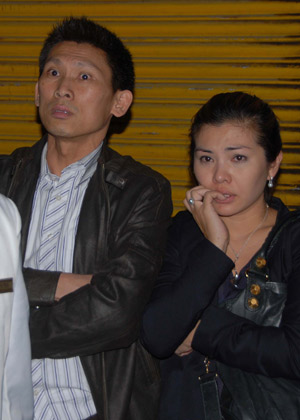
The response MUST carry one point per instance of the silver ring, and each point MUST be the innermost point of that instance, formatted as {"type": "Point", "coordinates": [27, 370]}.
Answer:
{"type": "Point", "coordinates": [191, 201]}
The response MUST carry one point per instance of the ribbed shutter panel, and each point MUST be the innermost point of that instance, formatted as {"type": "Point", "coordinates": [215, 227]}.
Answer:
{"type": "Point", "coordinates": [184, 52]}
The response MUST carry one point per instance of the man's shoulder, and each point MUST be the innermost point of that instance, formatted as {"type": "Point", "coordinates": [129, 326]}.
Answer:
{"type": "Point", "coordinates": [127, 167]}
{"type": "Point", "coordinates": [20, 160]}
{"type": "Point", "coordinates": [22, 152]}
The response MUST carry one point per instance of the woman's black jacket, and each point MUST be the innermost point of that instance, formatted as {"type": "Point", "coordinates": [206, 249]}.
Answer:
{"type": "Point", "coordinates": [185, 292]}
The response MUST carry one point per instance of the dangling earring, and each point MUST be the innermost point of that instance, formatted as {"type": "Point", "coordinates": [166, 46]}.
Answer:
{"type": "Point", "coordinates": [270, 182]}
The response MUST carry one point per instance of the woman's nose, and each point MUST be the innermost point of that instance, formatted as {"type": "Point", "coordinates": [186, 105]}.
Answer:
{"type": "Point", "coordinates": [221, 174]}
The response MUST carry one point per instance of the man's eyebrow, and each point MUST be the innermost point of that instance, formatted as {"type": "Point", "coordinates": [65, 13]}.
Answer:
{"type": "Point", "coordinates": [80, 63]}
{"type": "Point", "coordinates": [53, 60]}
{"type": "Point", "coordinates": [238, 147]}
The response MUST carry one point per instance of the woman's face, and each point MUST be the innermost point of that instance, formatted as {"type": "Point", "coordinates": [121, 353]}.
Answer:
{"type": "Point", "coordinates": [229, 160]}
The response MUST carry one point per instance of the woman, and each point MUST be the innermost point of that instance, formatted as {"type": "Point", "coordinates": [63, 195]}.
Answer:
{"type": "Point", "coordinates": [236, 154]}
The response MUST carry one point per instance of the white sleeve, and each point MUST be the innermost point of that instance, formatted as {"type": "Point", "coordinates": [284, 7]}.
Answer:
{"type": "Point", "coordinates": [17, 402]}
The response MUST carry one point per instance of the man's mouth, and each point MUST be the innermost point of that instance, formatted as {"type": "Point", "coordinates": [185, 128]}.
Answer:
{"type": "Point", "coordinates": [61, 112]}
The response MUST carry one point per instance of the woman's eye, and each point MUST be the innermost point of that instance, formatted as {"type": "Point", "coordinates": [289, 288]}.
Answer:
{"type": "Point", "coordinates": [239, 158]}
{"type": "Point", "coordinates": [85, 76]}
{"type": "Point", "coordinates": [205, 159]}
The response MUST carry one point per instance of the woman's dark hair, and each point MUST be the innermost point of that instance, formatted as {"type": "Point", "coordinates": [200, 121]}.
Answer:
{"type": "Point", "coordinates": [83, 30]}
{"type": "Point", "coordinates": [241, 108]}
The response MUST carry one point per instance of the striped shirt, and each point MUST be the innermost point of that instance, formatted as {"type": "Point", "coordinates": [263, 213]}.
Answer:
{"type": "Point", "coordinates": [61, 391]}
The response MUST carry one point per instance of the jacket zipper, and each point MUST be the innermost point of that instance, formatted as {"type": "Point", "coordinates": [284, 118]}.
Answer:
{"type": "Point", "coordinates": [103, 236]}
{"type": "Point", "coordinates": [104, 388]}
{"type": "Point", "coordinates": [104, 229]}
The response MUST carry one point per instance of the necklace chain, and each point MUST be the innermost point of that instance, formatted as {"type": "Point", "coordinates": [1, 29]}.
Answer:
{"type": "Point", "coordinates": [238, 254]}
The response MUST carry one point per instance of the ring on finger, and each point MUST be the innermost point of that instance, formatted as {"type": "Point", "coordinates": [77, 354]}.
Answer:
{"type": "Point", "coordinates": [191, 201]}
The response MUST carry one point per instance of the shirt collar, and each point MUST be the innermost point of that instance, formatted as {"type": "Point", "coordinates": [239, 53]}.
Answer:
{"type": "Point", "coordinates": [87, 165]}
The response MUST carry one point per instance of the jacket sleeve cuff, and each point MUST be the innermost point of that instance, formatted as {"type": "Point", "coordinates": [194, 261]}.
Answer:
{"type": "Point", "coordinates": [41, 285]}
{"type": "Point", "coordinates": [209, 266]}
{"type": "Point", "coordinates": [212, 331]}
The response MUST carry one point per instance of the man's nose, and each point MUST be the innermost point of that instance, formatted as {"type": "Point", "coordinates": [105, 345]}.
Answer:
{"type": "Point", "coordinates": [64, 90]}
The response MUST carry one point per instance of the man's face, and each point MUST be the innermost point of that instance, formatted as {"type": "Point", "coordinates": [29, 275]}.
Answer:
{"type": "Point", "coordinates": [74, 93]}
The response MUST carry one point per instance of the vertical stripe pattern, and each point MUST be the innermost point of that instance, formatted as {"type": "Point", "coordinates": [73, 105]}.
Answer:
{"type": "Point", "coordinates": [61, 391]}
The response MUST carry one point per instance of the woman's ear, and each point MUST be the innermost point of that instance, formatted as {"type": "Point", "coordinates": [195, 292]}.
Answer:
{"type": "Point", "coordinates": [274, 166]}
{"type": "Point", "coordinates": [123, 100]}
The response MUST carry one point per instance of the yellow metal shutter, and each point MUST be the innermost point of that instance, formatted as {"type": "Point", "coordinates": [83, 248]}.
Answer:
{"type": "Point", "coordinates": [185, 52]}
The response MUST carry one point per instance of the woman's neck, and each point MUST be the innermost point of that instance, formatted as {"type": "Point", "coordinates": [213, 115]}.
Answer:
{"type": "Point", "coordinates": [242, 224]}
{"type": "Point", "coordinates": [247, 233]}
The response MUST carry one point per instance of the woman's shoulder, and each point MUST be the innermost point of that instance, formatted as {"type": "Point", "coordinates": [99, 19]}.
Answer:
{"type": "Point", "coordinates": [289, 230]}
{"type": "Point", "coordinates": [288, 221]}
{"type": "Point", "coordinates": [183, 219]}
{"type": "Point", "coordinates": [283, 242]}
{"type": "Point", "coordinates": [184, 234]}
{"type": "Point", "coordinates": [184, 225]}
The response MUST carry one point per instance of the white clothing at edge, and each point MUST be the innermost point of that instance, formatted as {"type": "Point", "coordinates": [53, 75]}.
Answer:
{"type": "Point", "coordinates": [16, 396]}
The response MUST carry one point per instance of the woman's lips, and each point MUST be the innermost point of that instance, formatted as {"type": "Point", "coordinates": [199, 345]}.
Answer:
{"type": "Point", "coordinates": [228, 198]}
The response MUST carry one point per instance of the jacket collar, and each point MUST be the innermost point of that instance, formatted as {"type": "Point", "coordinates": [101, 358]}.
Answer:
{"type": "Point", "coordinates": [113, 164]}
{"type": "Point", "coordinates": [112, 161]}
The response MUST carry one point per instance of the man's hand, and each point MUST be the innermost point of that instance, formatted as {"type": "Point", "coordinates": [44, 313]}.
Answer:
{"type": "Point", "coordinates": [68, 283]}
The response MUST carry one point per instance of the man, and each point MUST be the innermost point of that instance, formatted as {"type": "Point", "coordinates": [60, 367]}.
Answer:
{"type": "Point", "coordinates": [16, 399]}
{"type": "Point", "coordinates": [94, 227]}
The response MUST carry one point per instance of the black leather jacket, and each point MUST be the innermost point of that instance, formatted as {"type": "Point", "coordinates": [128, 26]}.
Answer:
{"type": "Point", "coordinates": [120, 239]}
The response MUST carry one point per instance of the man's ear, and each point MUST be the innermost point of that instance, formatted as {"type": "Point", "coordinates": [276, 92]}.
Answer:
{"type": "Point", "coordinates": [123, 100]}
{"type": "Point", "coordinates": [274, 166]}
{"type": "Point", "coordinates": [36, 94]}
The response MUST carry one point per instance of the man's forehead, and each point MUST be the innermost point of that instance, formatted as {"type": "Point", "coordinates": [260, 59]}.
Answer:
{"type": "Point", "coordinates": [78, 53]}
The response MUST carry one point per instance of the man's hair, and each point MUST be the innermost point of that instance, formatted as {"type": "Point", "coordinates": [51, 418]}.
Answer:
{"type": "Point", "coordinates": [83, 30]}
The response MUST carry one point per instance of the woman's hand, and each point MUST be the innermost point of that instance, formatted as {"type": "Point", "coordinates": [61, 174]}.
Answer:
{"type": "Point", "coordinates": [185, 347]}
{"type": "Point", "coordinates": [199, 201]}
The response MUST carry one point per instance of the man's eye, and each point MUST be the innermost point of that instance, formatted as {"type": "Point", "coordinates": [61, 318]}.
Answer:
{"type": "Point", "coordinates": [53, 72]}
{"type": "Point", "coordinates": [85, 76]}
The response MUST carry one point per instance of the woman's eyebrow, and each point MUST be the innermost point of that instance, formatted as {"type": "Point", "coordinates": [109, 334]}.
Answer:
{"type": "Point", "coordinates": [201, 149]}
